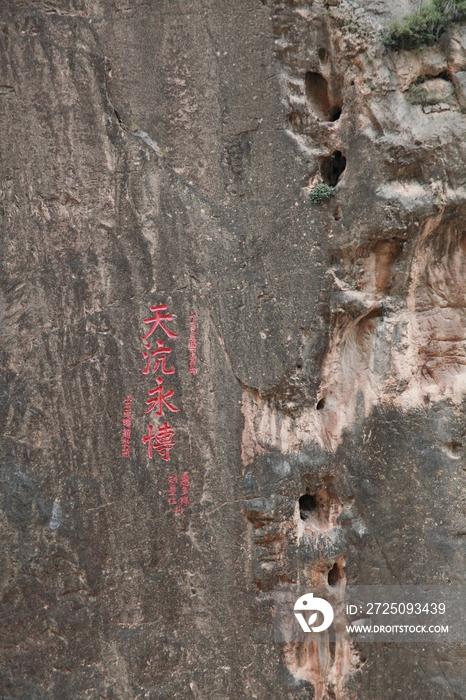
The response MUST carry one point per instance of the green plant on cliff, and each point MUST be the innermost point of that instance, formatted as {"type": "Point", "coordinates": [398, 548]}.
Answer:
{"type": "Point", "coordinates": [425, 26]}
{"type": "Point", "coordinates": [321, 192]}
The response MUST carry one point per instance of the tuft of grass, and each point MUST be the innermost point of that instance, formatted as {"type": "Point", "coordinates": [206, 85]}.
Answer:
{"type": "Point", "coordinates": [425, 26]}
{"type": "Point", "coordinates": [321, 192]}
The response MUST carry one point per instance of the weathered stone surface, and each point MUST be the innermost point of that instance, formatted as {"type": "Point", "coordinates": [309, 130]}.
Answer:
{"type": "Point", "coordinates": [163, 153]}
{"type": "Point", "coordinates": [459, 80]}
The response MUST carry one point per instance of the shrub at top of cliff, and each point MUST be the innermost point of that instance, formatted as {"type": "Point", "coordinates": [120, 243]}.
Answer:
{"type": "Point", "coordinates": [425, 26]}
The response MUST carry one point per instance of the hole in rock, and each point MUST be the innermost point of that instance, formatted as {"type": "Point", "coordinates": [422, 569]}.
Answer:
{"type": "Point", "coordinates": [444, 75]}
{"type": "Point", "coordinates": [318, 97]}
{"type": "Point", "coordinates": [335, 114]}
{"type": "Point", "coordinates": [337, 213]}
{"type": "Point", "coordinates": [307, 504]}
{"type": "Point", "coordinates": [454, 449]}
{"type": "Point", "coordinates": [320, 404]}
{"type": "Point", "coordinates": [332, 168]}
{"type": "Point", "coordinates": [323, 55]}
{"type": "Point", "coordinates": [334, 575]}
{"type": "Point", "coordinates": [299, 366]}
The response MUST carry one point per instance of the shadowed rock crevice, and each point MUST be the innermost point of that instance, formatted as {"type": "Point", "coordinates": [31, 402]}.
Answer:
{"type": "Point", "coordinates": [317, 93]}
{"type": "Point", "coordinates": [332, 168]}
{"type": "Point", "coordinates": [307, 504]}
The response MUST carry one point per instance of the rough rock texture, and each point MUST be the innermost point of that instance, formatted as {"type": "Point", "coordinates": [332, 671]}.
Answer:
{"type": "Point", "coordinates": [163, 153]}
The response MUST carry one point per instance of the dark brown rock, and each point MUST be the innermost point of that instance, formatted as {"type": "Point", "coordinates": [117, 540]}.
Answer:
{"type": "Point", "coordinates": [163, 154]}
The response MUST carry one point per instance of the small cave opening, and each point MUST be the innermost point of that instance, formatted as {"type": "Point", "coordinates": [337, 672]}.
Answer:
{"type": "Point", "coordinates": [323, 55]}
{"type": "Point", "coordinates": [454, 449]}
{"type": "Point", "coordinates": [320, 404]}
{"type": "Point", "coordinates": [307, 504]}
{"type": "Point", "coordinates": [444, 75]}
{"type": "Point", "coordinates": [332, 168]}
{"type": "Point", "coordinates": [318, 97]}
{"type": "Point", "coordinates": [334, 575]}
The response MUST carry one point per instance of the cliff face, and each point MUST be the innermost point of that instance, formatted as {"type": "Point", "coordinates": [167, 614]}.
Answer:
{"type": "Point", "coordinates": [162, 154]}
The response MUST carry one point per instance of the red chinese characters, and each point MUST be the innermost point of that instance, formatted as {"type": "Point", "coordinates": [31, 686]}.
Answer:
{"type": "Point", "coordinates": [162, 442]}
{"type": "Point", "coordinates": [192, 344]}
{"type": "Point", "coordinates": [159, 398]}
{"type": "Point", "coordinates": [178, 492]}
{"type": "Point", "coordinates": [160, 359]}
{"type": "Point", "coordinates": [156, 321]}
{"type": "Point", "coordinates": [126, 435]}
{"type": "Point", "coordinates": [172, 490]}
{"type": "Point", "coordinates": [184, 498]}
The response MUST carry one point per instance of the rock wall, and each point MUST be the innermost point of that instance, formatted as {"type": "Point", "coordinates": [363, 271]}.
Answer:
{"type": "Point", "coordinates": [162, 154]}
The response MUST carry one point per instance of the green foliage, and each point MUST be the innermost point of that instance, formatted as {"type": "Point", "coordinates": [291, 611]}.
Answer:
{"type": "Point", "coordinates": [425, 26]}
{"type": "Point", "coordinates": [321, 192]}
